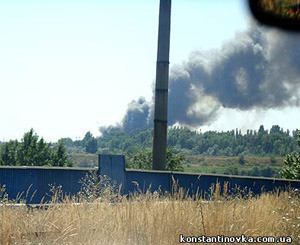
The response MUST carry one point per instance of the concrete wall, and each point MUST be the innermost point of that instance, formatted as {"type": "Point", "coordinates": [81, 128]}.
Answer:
{"type": "Point", "coordinates": [132, 180]}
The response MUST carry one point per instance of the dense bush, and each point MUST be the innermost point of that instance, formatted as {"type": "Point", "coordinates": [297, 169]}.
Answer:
{"type": "Point", "coordinates": [292, 165]}
{"type": "Point", "coordinates": [142, 159]}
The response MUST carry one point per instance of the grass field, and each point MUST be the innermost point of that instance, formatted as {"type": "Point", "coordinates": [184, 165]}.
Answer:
{"type": "Point", "coordinates": [152, 219]}
{"type": "Point", "coordinates": [84, 160]}
{"type": "Point", "coordinates": [229, 165]}
{"type": "Point", "coordinates": [225, 161]}
{"type": "Point", "coordinates": [257, 166]}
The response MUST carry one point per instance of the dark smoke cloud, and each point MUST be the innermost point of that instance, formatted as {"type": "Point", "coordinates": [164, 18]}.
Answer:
{"type": "Point", "coordinates": [137, 115]}
{"type": "Point", "coordinates": [258, 69]}
{"type": "Point", "coordinates": [255, 70]}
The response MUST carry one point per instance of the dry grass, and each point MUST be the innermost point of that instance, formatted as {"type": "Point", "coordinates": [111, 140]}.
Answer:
{"type": "Point", "coordinates": [151, 219]}
{"type": "Point", "coordinates": [234, 160]}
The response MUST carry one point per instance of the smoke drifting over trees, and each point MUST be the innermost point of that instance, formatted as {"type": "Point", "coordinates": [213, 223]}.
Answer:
{"type": "Point", "coordinates": [137, 115]}
{"type": "Point", "coordinates": [258, 69]}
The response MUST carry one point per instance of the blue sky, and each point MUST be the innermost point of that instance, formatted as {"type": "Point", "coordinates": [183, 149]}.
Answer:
{"type": "Point", "coordinates": [67, 67]}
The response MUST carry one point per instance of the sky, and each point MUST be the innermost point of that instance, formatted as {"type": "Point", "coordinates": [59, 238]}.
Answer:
{"type": "Point", "coordinates": [68, 67]}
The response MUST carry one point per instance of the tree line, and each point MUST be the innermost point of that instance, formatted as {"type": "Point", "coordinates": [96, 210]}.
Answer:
{"type": "Point", "coordinates": [34, 151]}
{"type": "Point", "coordinates": [263, 142]}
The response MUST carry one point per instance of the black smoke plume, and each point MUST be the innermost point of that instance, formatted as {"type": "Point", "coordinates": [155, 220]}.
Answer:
{"type": "Point", "coordinates": [258, 69]}
{"type": "Point", "coordinates": [137, 115]}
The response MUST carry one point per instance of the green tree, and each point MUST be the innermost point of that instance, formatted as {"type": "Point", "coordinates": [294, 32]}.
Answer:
{"type": "Point", "coordinates": [32, 151]}
{"type": "Point", "coordinates": [174, 161]}
{"type": "Point", "coordinates": [43, 154]}
{"type": "Point", "coordinates": [68, 142]}
{"type": "Point", "coordinates": [27, 149]}
{"type": "Point", "coordinates": [88, 136]}
{"type": "Point", "coordinates": [60, 157]}
{"type": "Point", "coordinates": [275, 129]}
{"type": "Point", "coordinates": [8, 153]}
{"type": "Point", "coordinates": [91, 146]}
{"type": "Point", "coordinates": [291, 169]}
{"type": "Point", "coordinates": [142, 159]}
{"type": "Point", "coordinates": [90, 143]}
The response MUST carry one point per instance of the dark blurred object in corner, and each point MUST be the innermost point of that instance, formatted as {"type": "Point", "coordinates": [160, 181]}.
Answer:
{"type": "Point", "coordinates": [284, 14]}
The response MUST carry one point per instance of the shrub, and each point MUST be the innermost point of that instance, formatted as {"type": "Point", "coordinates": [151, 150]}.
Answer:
{"type": "Point", "coordinates": [292, 165]}
{"type": "Point", "coordinates": [142, 159]}
{"type": "Point", "coordinates": [242, 160]}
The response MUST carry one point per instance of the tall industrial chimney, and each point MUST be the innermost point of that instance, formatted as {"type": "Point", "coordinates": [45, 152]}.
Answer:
{"type": "Point", "coordinates": [161, 87]}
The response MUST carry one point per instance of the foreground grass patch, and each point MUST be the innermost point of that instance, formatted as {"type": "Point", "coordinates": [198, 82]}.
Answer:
{"type": "Point", "coordinates": [151, 219]}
